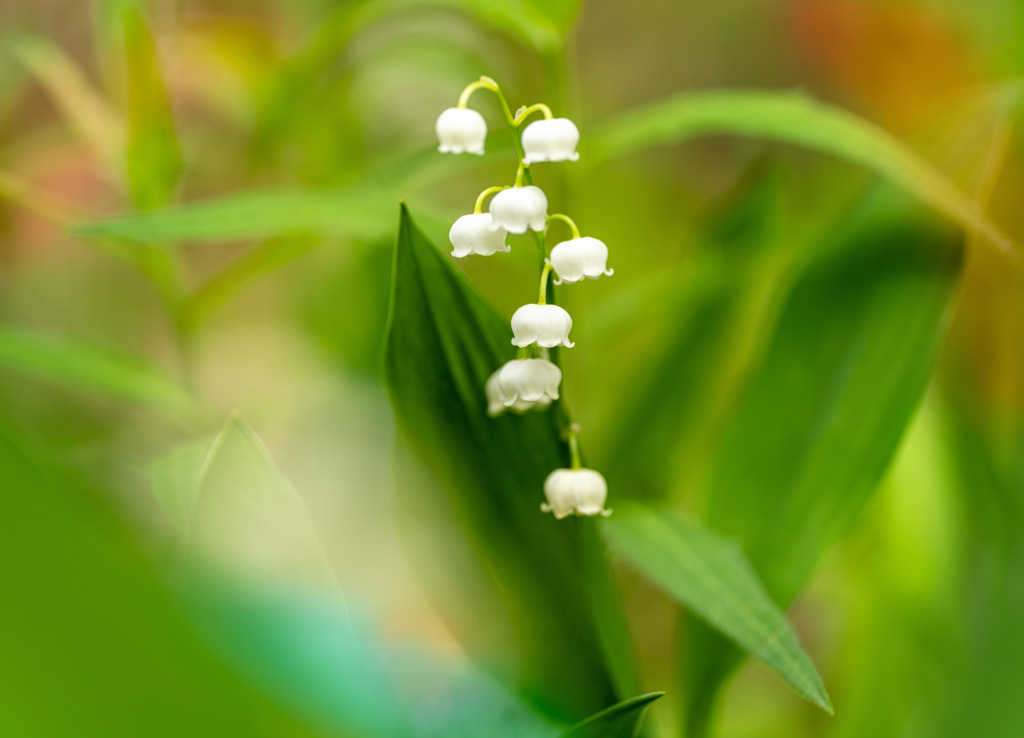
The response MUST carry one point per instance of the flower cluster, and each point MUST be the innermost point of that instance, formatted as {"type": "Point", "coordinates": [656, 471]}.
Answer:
{"type": "Point", "coordinates": [531, 381]}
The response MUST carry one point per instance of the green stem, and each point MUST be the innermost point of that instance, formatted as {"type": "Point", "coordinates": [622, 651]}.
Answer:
{"type": "Point", "coordinates": [510, 119]}
{"type": "Point", "coordinates": [565, 219]}
{"type": "Point", "coordinates": [478, 208]}
{"type": "Point", "coordinates": [573, 437]}
{"type": "Point", "coordinates": [544, 273]}
{"type": "Point", "coordinates": [484, 83]}
{"type": "Point", "coordinates": [521, 173]}
{"type": "Point", "coordinates": [525, 113]}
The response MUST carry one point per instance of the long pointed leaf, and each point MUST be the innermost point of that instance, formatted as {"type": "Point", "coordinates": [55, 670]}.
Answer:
{"type": "Point", "coordinates": [710, 575]}
{"type": "Point", "coordinates": [443, 342]}
{"type": "Point", "coordinates": [797, 119]}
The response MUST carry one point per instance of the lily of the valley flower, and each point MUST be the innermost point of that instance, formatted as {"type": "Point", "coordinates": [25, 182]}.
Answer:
{"type": "Point", "coordinates": [577, 258]}
{"type": "Point", "coordinates": [579, 491]}
{"type": "Point", "coordinates": [544, 325]}
{"type": "Point", "coordinates": [461, 130]}
{"type": "Point", "coordinates": [550, 140]}
{"type": "Point", "coordinates": [517, 209]}
{"type": "Point", "coordinates": [497, 399]}
{"type": "Point", "coordinates": [475, 234]}
{"type": "Point", "coordinates": [528, 380]}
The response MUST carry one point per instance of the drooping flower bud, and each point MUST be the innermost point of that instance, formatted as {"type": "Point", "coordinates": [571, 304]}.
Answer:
{"type": "Point", "coordinates": [577, 258]}
{"type": "Point", "coordinates": [474, 234]}
{"type": "Point", "coordinates": [579, 491]}
{"type": "Point", "coordinates": [460, 130]}
{"type": "Point", "coordinates": [519, 208]}
{"type": "Point", "coordinates": [544, 325]}
{"type": "Point", "coordinates": [496, 399]}
{"type": "Point", "coordinates": [550, 140]}
{"type": "Point", "coordinates": [528, 380]}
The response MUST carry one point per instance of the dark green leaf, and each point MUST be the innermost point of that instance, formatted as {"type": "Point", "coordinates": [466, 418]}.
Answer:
{"type": "Point", "coordinates": [618, 721]}
{"type": "Point", "coordinates": [443, 342]}
{"type": "Point", "coordinates": [709, 574]}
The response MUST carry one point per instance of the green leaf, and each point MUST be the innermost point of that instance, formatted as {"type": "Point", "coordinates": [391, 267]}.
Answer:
{"type": "Point", "coordinates": [824, 410]}
{"type": "Point", "coordinates": [618, 721]}
{"type": "Point", "coordinates": [796, 119]}
{"type": "Point", "coordinates": [709, 574]}
{"type": "Point", "coordinates": [360, 212]}
{"type": "Point", "coordinates": [443, 342]}
{"type": "Point", "coordinates": [152, 157]}
{"type": "Point", "coordinates": [89, 624]}
{"type": "Point", "coordinates": [84, 367]}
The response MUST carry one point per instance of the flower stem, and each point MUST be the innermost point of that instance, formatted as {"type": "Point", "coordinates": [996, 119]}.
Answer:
{"type": "Point", "coordinates": [573, 437]}
{"type": "Point", "coordinates": [523, 113]}
{"type": "Point", "coordinates": [478, 208]}
{"type": "Point", "coordinates": [521, 173]}
{"type": "Point", "coordinates": [485, 83]}
{"type": "Point", "coordinates": [567, 220]}
{"type": "Point", "coordinates": [544, 273]}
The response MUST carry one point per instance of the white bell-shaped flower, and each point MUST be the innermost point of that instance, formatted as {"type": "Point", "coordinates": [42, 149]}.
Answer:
{"type": "Point", "coordinates": [497, 399]}
{"type": "Point", "coordinates": [460, 130]}
{"type": "Point", "coordinates": [577, 258]}
{"type": "Point", "coordinates": [473, 234]}
{"type": "Point", "coordinates": [528, 380]}
{"type": "Point", "coordinates": [544, 325]}
{"type": "Point", "coordinates": [579, 491]}
{"type": "Point", "coordinates": [550, 140]}
{"type": "Point", "coordinates": [519, 208]}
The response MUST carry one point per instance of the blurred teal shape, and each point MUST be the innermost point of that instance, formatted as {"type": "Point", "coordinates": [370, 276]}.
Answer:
{"type": "Point", "coordinates": [259, 588]}
{"type": "Point", "coordinates": [92, 643]}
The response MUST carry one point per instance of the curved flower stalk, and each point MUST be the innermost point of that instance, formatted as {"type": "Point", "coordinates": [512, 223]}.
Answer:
{"type": "Point", "coordinates": [531, 381]}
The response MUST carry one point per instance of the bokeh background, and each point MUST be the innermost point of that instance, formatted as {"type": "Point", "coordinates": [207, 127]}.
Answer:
{"type": "Point", "coordinates": [273, 141]}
